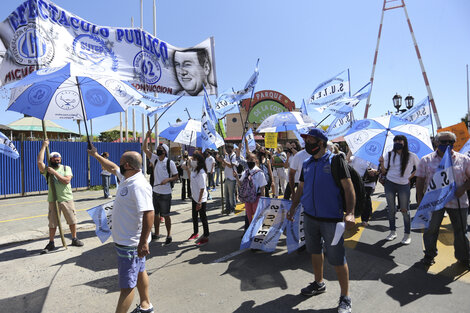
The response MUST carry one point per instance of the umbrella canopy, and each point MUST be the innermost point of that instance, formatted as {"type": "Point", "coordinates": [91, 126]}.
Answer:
{"type": "Point", "coordinates": [285, 121]}
{"type": "Point", "coordinates": [187, 133]}
{"type": "Point", "coordinates": [70, 93]}
{"type": "Point", "coordinates": [371, 138]}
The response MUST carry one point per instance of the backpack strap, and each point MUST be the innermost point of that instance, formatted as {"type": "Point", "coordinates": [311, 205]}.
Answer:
{"type": "Point", "coordinates": [168, 167]}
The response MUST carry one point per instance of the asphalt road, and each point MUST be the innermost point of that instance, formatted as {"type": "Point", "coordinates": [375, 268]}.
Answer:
{"type": "Point", "coordinates": [384, 276]}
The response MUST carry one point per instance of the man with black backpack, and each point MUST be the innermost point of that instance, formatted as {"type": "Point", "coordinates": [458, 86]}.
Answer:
{"type": "Point", "coordinates": [323, 213]}
{"type": "Point", "coordinates": [165, 174]}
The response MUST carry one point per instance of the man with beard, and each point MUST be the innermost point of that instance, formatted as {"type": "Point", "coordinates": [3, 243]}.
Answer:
{"type": "Point", "coordinates": [61, 176]}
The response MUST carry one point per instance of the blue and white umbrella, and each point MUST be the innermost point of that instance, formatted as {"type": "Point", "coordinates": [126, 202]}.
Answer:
{"type": "Point", "coordinates": [186, 133]}
{"type": "Point", "coordinates": [285, 121]}
{"type": "Point", "coordinates": [371, 138]}
{"type": "Point", "coordinates": [70, 92]}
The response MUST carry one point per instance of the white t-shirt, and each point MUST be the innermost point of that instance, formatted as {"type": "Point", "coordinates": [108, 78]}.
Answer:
{"type": "Point", "coordinates": [160, 173]}
{"type": "Point", "coordinates": [133, 198]}
{"type": "Point", "coordinates": [259, 179]}
{"type": "Point", "coordinates": [394, 172]}
{"type": "Point", "coordinates": [228, 170]}
{"type": "Point", "coordinates": [185, 165]}
{"type": "Point", "coordinates": [209, 162]}
{"type": "Point", "coordinates": [361, 165]}
{"type": "Point", "coordinates": [298, 162]}
{"type": "Point", "coordinates": [198, 182]}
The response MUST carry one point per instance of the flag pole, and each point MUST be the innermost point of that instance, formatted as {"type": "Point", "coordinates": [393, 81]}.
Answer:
{"type": "Point", "coordinates": [159, 117]}
{"type": "Point", "coordinates": [53, 190]}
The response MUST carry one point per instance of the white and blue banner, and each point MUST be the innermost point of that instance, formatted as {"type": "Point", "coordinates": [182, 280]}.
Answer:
{"type": "Point", "coordinates": [150, 110]}
{"type": "Point", "coordinates": [466, 148]}
{"type": "Point", "coordinates": [102, 216]}
{"type": "Point", "coordinates": [40, 34]}
{"type": "Point", "coordinates": [7, 147]}
{"type": "Point", "coordinates": [346, 104]}
{"type": "Point", "coordinates": [250, 138]}
{"type": "Point", "coordinates": [331, 90]}
{"type": "Point", "coordinates": [295, 230]}
{"type": "Point", "coordinates": [210, 139]}
{"type": "Point", "coordinates": [226, 104]}
{"type": "Point", "coordinates": [340, 126]}
{"type": "Point", "coordinates": [267, 225]}
{"type": "Point", "coordinates": [440, 190]}
{"type": "Point", "coordinates": [303, 108]}
{"type": "Point", "coordinates": [420, 114]}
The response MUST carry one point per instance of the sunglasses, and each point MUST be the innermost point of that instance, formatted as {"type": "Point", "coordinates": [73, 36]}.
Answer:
{"type": "Point", "coordinates": [446, 142]}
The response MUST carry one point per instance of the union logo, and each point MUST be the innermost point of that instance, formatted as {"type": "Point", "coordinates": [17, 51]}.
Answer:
{"type": "Point", "coordinates": [31, 45]}
{"type": "Point", "coordinates": [67, 99]}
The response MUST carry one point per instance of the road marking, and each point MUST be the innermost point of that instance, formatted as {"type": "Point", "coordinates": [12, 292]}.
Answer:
{"type": "Point", "coordinates": [228, 256]}
{"type": "Point", "coordinates": [36, 216]}
{"type": "Point", "coordinates": [352, 237]}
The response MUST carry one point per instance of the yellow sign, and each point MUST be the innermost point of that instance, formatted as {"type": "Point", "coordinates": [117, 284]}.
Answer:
{"type": "Point", "coordinates": [460, 130]}
{"type": "Point", "coordinates": [270, 140]}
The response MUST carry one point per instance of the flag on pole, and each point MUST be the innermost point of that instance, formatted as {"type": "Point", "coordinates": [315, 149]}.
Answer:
{"type": "Point", "coordinates": [330, 90]}
{"type": "Point", "coordinates": [295, 237]}
{"type": "Point", "coordinates": [210, 139]}
{"type": "Point", "coordinates": [347, 104]}
{"type": "Point", "coordinates": [150, 110]}
{"type": "Point", "coordinates": [226, 103]}
{"type": "Point", "coordinates": [303, 108]}
{"type": "Point", "coordinates": [7, 147]}
{"type": "Point", "coordinates": [102, 217]}
{"type": "Point", "coordinates": [267, 225]}
{"type": "Point", "coordinates": [250, 138]}
{"type": "Point", "coordinates": [340, 126]}
{"type": "Point", "coordinates": [420, 114]}
{"type": "Point", "coordinates": [440, 190]}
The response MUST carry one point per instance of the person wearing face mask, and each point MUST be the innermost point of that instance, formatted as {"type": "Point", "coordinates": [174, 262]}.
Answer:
{"type": "Point", "coordinates": [132, 220]}
{"type": "Point", "coordinates": [259, 182]}
{"type": "Point", "coordinates": [323, 210]}
{"type": "Point", "coordinates": [229, 163]}
{"type": "Point", "coordinates": [61, 176]}
{"type": "Point", "coordinates": [400, 163]}
{"type": "Point", "coordinates": [185, 178]}
{"type": "Point", "coordinates": [456, 208]}
{"type": "Point", "coordinates": [165, 173]}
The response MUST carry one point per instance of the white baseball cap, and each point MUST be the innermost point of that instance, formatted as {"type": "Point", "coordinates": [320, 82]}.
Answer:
{"type": "Point", "coordinates": [55, 155]}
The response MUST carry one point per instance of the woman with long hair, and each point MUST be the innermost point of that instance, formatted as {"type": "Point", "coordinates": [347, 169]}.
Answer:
{"type": "Point", "coordinates": [199, 198]}
{"type": "Point", "coordinates": [398, 167]}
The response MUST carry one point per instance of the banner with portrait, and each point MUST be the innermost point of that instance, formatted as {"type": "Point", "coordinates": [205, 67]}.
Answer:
{"type": "Point", "coordinates": [41, 34]}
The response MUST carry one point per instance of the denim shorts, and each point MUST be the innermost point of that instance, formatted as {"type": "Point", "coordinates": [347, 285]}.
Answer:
{"type": "Point", "coordinates": [318, 237]}
{"type": "Point", "coordinates": [129, 266]}
{"type": "Point", "coordinates": [161, 204]}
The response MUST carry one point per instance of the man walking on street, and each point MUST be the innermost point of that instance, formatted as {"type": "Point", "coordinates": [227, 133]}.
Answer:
{"type": "Point", "coordinates": [323, 214]}
{"type": "Point", "coordinates": [456, 208]}
{"type": "Point", "coordinates": [165, 174]}
{"type": "Point", "coordinates": [131, 225]}
{"type": "Point", "coordinates": [61, 175]}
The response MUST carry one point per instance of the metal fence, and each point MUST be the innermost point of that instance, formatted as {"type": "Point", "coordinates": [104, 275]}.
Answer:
{"type": "Point", "coordinates": [21, 176]}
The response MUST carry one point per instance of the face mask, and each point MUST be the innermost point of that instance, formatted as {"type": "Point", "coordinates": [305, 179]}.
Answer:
{"type": "Point", "coordinates": [443, 148]}
{"type": "Point", "coordinates": [250, 165]}
{"type": "Point", "coordinates": [122, 169]}
{"type": "Point", "coordinates": [312, 148]}
{"type": "Point", "coordinates": [55, 164]}
{"type": "Point", "coordinates": [159, 152]}
{"type": "Point", "coordinates": [397, 146]}
{"type": "Point", "coordinates": [194, 163]}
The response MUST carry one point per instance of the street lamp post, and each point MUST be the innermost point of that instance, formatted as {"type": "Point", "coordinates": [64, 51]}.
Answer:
{"type": "Point", "coordinates": [397, 101]}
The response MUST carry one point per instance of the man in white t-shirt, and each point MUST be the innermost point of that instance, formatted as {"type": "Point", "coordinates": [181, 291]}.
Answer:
{"type": "Point", "coordinates": [210, 166]}
{"type": "Point", "coordinates": [229, 163]}
{"type": "Point", "coordinates": [165, 173]}
{"type": "Point", "coordinates": [296, 168]}
{"type": "Point", "coordinates": [131, 226]}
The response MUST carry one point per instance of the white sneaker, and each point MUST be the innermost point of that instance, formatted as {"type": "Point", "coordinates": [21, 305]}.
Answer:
{"type": "Point", "coordinates": [391, 236]}
{"type": "Point", "coordinates": [406, 239]}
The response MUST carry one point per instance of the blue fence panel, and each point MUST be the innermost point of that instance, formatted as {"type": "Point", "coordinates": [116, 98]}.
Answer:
{"type": "Point", "coordinates": [115, 151]}
{"type": "Point", "coordinates": [10, 173]}
{"type": "Point", "coordinates": [33, 180]}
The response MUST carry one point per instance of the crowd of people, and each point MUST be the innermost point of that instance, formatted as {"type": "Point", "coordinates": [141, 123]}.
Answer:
{"type": "Point", "coordinates": [303, 174]}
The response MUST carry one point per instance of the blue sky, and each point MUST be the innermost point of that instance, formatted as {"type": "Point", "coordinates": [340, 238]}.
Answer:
{"type": "Point", "coordinates": [301, 43]}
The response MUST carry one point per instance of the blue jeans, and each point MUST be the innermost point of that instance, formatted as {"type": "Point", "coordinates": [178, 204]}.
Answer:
{"type": "Point", "coordinates": [403, 192]}
{"type": "Point", "coordinates": [229, 191]}
{"type": "Point", "coordinates": [105, 182]}
{"type": "Point", "coordinates": [459, 224]}
{"type": "Point", "coordinates": [217, 175]}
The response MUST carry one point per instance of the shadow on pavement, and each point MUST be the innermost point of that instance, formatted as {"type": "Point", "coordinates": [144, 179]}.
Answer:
{"type": "Point", "coordinates": [283, 304]}
{"type": "Point", "coordinates": [32, 302]}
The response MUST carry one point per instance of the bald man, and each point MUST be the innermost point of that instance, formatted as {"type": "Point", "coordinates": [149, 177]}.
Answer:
{"type": "Point", "coordinates": [131, 225]}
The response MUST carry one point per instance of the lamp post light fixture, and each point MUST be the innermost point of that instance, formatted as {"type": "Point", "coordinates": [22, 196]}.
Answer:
{"type": "Point", "coordinates": [397, 102]}
{"type": "Point", "coordinates": [409, 101]}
